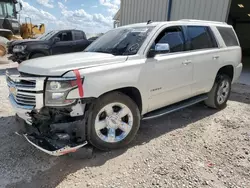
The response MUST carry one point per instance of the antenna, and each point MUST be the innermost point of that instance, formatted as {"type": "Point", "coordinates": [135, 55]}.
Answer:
{"type": "Point", "coordinates": [149, 22]}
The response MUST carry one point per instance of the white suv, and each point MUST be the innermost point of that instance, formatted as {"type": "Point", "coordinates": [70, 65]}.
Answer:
{"type": "Point", "coordinates": [135, 72]}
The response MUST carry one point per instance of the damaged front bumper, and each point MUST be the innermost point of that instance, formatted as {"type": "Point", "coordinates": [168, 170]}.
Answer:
{"type": "Point", "coordinates": [55, 131]}
{"type": "Point", "coordinates": [41, 144]}
{"type": "Point", "coordinates": [21, 111]}
{"type": "Point", "coordinates": [58, 141]}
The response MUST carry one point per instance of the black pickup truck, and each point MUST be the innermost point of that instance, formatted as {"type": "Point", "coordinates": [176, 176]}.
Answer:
{"type": "Point", "coordinates": [52, 43]}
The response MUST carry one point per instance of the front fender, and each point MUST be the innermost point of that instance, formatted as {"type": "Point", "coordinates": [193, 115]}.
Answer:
{"type": "Point", "coordinates": [102, 82]}
{"type": "Point", "coordinates": [103, 79]}
{"type": "Point", "coordinates": [39, 48]}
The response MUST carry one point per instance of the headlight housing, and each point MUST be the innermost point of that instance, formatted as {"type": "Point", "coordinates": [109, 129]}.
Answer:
{"type": "Point", "coordinates": [19, 48]}
{"type": "Point", "coordinates": [57, 90]}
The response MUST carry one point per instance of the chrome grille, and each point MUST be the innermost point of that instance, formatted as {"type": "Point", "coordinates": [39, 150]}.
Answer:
{"type": "Point", "coordinates": [26, 91]}
{"type": "Point", "coordinates": [22, 83]}
{"type": "Point", "coordinates": [23, 99]}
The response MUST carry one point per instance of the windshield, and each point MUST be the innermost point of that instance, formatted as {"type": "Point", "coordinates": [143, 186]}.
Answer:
{"type": "Point", "coordinates": [47, 36]}
{"type": "Point", "coordinates": [121, 41]}
{"type": "Point", "coordinates": [7, 9]}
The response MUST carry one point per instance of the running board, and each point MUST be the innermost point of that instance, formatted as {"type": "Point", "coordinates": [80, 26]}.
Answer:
{"type": "Point", "coordinates": [174, 107]}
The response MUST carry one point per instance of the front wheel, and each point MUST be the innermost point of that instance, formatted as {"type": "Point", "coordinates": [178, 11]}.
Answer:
{"type": "Point", "coordinates": [220, 93]}
{"type": "Point", "coordinates": [113, 122]}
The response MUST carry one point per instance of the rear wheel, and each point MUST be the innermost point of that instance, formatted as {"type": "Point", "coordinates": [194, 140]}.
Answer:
{"type": "Point", "coordinates": [113, 121]}
{"type": "Point", "coordinates": [37, 55]}
{"type": "Point", "coordinates": [220, 93]}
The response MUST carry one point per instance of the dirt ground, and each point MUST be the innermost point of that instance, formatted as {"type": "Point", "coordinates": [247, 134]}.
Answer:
{"type": "Point", "coordinates": [195, 147]}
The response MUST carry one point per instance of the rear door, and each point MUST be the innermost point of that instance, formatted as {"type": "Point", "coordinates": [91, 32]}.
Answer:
{"type": "Point", "coordinates": [205, 57]}
{"type": "Point", "coordinates": [80, 41]}
{"type": "Point", "coordinates": [65, 45]}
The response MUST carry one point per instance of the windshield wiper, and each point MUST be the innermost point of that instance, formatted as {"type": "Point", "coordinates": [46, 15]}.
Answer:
{"type": "Point", "coordinates": [112, 51]}
{"type": "Point", "coordinates": [101, 50]}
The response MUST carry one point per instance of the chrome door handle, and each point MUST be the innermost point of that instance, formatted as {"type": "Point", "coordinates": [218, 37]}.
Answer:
{"type": "Point", "coordinates": [216, 57]}
{"type": "Point", "coordinates": [187, 62]}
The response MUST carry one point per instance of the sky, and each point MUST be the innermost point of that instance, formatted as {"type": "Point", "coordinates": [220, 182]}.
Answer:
{"type": "Point", "coordinates": [91, 16]}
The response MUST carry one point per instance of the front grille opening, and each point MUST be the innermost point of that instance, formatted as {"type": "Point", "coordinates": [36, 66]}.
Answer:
{"type": "Point", "coordinates": [28, 100]}
{"type": "Point", "coordinates": [22, 83]}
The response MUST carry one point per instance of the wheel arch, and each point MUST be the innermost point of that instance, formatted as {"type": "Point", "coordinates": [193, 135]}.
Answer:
{"type": "Point", "coordinates": [131, 92]}
{"type": "Point", "coordinates": [227, 70]}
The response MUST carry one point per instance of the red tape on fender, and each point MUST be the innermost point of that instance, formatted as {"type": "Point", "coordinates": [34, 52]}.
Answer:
{"type": "Point", "coordinates": [79, 83]}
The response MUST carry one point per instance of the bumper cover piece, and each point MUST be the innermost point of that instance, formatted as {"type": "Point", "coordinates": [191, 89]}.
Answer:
{"type": "Point", "coordinates": [52, 147]}
{"type": "Point", "coordinates": [22, 111]}
{"type": "Point", "coordinates": [58, 152]}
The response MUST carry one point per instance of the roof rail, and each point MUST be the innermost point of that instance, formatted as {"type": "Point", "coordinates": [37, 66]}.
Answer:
{"type": "Point", "coordinates": [206, 21]}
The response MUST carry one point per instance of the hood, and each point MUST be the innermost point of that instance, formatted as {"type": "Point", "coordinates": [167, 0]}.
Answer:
{"type": "Point", "coordinates": [57, 65]}
{"type": "Point", "coordinates": [27, 41]}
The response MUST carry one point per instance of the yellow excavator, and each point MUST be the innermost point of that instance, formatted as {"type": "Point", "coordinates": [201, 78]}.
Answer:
{"type": "Point", "coordinates": [10, 27]}
{"type": "Point", "coordinates": [28, 30]}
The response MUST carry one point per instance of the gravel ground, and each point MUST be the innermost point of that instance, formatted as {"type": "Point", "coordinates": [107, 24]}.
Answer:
{"type": "Point", "coordinates": [195, 147]}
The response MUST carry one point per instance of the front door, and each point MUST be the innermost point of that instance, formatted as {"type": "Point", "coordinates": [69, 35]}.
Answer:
{"type": "Point", "coordinates": [171, 74]}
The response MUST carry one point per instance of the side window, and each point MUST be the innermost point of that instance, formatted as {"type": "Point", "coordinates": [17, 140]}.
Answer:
{"type": "Point", "coordinates": [228, 36]}
{"type": "Point", "coordinates": [78, 35]}
{"type": "Point", "coordinates": [201, 37]}
{"type": "Point", "coordinates": [65, 36]}
{"type": "Point", "coordinates": [1, 9]}
{"type": "Point", "coordinates": [174, 37]}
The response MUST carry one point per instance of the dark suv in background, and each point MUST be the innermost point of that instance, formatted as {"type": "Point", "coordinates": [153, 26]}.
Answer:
{"type": "Point", "coordinates": [51, 43]}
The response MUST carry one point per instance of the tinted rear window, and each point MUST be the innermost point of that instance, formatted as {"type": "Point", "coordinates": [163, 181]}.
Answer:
{"type": "Point", "coordinates": [201, 37]}
{"type": "Point", "coordinates": [228, 36]}
{"type": "Point", "coordinates": [79, 35]}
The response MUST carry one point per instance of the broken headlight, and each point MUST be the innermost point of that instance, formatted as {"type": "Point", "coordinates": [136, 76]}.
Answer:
{"type": "Point", "coordinates": [57, 91]}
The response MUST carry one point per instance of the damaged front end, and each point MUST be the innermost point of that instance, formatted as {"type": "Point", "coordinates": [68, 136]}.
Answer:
{"type": "Point", "coordinates": [55, 131]}
{"type": "Point", "coordinates": [50, 121]}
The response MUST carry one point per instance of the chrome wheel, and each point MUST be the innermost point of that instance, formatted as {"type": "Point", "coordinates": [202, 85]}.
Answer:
{"type": "Point", "coordinates": [223, 92]}
{"type": "Point", "coordinates": [113, 122]}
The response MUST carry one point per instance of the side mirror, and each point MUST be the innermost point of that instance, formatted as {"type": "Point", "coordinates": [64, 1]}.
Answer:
{"type": "Point", "coordinates": [20, 7]}
{"type": "Point", "coordinates": [162, 48]}
{"type": "Point", "coordinates": [159, 49]}
{"type": "Point", "coordinates": [56, 39]}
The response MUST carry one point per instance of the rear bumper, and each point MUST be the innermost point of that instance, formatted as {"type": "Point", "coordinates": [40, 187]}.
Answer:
{"type": "Point", "coordinates": [237, 72]}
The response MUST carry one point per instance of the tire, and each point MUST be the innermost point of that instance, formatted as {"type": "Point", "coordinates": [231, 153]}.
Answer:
{"type": "Point", "coordinates": [107, 112]}
{"type": "Point", "coordinates": [37, 55]}
{"type": "Point", "coordinates": [214, 100]}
